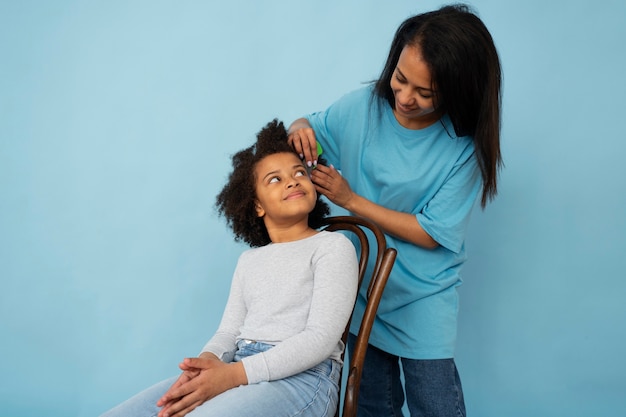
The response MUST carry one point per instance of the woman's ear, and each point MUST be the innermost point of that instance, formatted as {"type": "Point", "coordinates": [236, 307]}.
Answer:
{"type": "Point", "coordinates": [260, 212]}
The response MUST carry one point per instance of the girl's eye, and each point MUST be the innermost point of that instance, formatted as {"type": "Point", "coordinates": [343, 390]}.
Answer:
{"type": "Point", "coordinates": [300, 173]}
{"type": "Point", "coordinates": [273, 180]}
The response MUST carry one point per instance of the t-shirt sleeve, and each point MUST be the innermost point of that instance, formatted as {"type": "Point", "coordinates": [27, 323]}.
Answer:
{"type": "Point", "coordinates": [446, 216]}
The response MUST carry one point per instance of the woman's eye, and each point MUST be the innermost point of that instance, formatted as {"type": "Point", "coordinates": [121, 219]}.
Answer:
{"type": "Point", "coordinates": [425, 93]}
{"type": "Point", "coordinates": [400, 80]}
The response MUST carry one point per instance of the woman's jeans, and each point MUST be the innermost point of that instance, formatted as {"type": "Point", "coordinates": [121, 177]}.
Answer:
{"type": "Point", "coordinates": [311, 393]}
{"type": "Point", "coordinates": [432, 387]}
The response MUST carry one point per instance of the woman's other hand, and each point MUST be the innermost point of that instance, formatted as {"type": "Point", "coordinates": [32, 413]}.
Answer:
{"type": "Point", "coordinates": [329, 182]}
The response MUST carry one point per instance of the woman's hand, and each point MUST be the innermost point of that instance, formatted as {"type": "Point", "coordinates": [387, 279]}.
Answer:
{"type": "Point", "coordinates": [203, 378]}
{"type": "Point", "coordinates": [302, 140]}
{"type": "Point", "coordinates": [329, 182]}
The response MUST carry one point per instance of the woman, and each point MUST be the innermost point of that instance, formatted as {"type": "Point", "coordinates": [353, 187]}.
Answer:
{"type": "Point", "coordinates": [412, 152]}
{"type": "Point", "coordinates": [277, 351]}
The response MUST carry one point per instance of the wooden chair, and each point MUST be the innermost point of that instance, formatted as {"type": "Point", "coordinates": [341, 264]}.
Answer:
{"type": "Point", "coordinates": [385, 257]}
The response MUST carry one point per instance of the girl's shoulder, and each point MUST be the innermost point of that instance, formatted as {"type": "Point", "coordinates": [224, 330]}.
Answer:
{"type": "Point", "coordinates": [322, 238]}
{"type": "Point", "coordinates": [330, 237]}
{"type": "Point", "coordinates": [321, 242]}
{"type": "Point", "coordinates": [335, 242]}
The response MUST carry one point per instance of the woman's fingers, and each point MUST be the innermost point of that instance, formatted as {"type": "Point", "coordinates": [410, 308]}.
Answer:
{"type": "Point", "coordinates": [303, 142]}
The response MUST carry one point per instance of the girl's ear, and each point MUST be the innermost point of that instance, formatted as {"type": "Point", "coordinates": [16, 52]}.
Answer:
{"type": "Point", "coordinates": [259, 209]}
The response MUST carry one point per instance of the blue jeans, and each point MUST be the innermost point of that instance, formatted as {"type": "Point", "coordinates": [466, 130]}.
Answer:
{"type": "Point", "coordinates": [432, 387]}
{"type": "Point", "coordinates": [312, 393]}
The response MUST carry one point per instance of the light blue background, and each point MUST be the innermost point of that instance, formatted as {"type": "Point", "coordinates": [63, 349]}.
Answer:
{"type": "Point", "coordinates": [117, 120]}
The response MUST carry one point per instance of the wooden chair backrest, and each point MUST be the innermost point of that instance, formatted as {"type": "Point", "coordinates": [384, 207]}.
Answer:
{"type": "Point", "coordinates": [385, 258]}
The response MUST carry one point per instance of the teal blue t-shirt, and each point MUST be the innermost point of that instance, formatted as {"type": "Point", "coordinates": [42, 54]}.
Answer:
{"type": "Point", "coordinates": [428, 172]}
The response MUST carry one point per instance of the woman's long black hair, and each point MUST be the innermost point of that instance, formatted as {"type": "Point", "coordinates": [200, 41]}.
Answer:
{"type": "Point", "coordinates": [466, 77]}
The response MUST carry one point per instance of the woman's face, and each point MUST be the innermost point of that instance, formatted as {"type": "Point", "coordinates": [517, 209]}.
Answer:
{"type": "Point", "coordinates": [412, 88]}
{"type": "Point", "coordinates": [284, 190]}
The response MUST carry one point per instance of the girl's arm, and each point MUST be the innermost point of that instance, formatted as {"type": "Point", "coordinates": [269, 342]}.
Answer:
{"type": "Point", "coordinates": [209, 375]}
{"type": "Point", "coordinates": [335, 270]}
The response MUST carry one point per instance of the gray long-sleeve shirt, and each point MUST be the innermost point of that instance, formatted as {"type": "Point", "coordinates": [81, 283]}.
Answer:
{"type": "Point", "coordinates": [297, 296]}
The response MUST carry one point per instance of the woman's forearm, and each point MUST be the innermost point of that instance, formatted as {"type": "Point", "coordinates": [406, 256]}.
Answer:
{"type": "Point", "coordinates": [401, 225]}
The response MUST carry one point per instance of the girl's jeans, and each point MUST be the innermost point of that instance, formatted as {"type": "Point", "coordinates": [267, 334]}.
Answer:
{"type": "Point", "coordinates": [432, 387]}
{"type": "Point", "coordinates": [310, 393]}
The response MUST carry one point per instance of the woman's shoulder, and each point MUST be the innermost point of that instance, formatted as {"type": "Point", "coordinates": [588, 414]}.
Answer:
{"type": "Point", "coordinates": [359, 97]}
{"type": "Point", "coordinates": [364, 91]}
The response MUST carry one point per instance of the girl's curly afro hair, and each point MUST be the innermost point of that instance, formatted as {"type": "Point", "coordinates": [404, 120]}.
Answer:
{"type": "Point", "coordinates": [236, 201]}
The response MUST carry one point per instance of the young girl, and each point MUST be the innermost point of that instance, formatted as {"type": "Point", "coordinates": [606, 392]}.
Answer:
{"type": "Point", "coordinates": [277, 349]}
{"type": "Point", "coordinates": [416, 150]}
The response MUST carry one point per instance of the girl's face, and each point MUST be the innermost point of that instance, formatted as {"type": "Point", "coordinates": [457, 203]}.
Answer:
{"type": "Point", "coordinates": [411, 84]}
{"type": "Point", "coordinates": [284, 191]}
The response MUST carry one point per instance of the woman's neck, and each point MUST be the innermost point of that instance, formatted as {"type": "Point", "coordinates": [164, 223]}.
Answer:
{"type": "Point", "coordinates": [417, 123]}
